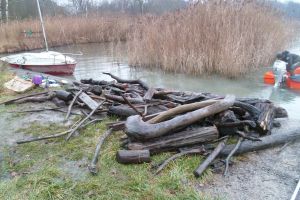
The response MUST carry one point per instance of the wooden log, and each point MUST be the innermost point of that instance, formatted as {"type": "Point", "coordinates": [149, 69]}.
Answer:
{"type": "Point", "coordinates": [125, 111]}
{"type": "Point", "coordinates": [137, 128]}
{"type": "Point", "coordinates": [203, 166]}
{"type": "Point", "coordinates": [252, 110]}
{"type": "Point", "coordinates": [176, 140]}
{"type": "Point", "coordinates": [266, 142]}
{"type": "Point", "coordinates": [93, 96]}
{"type": "Point", "coordinates": [72, 103]}
{"type": "Point", "coordinates": [266, 118]}
{"type": "Point", "coordinates": [93, 166]}
{"type": "Point", "coordinates": [115, 90]}
{"type": "Point", "coordinates": [133, 156]}
{"type": "Point", "coordinates": [64, 95]}
{"type": "Point", "coordinates": [121, 100]}
{"type": "Point", "coordinates": [280, 112]}
{"type": "Point", "coordinates": [179, 110]}
{"type": "Point", "coordinates": [149, 94]}
{"type": "Point", "coordinates": [246, 136]}
{"type": "Point", "coordinates": [132, 106]}
{"type": "Point", "coordinates": [118, 126]}
{"type": "Point", "coordinates": [161, 94]}
{"type": "Point", "coordinates": [96, 89]}
{"type": "Point", "coordinates": [22, 97]}
{"type": "Point", "coordinates": [58, 102]}
{"type": "Point", "coordinates": [37, 99]}
{"type": "Point", "coordinates": [187, 99]}
{"type": "Point", "coordinates": [238, 111]}
{"type": "Point", "coordinates": [94, 82]}
{"type": "Point", "coordinates": [253, 101]}
{"type": "Point", "coordinates": [238, 124]}
{"type": "Point", "coordinates": [225, 117]}
{"type": "Point", "coordinates": [138, 81]}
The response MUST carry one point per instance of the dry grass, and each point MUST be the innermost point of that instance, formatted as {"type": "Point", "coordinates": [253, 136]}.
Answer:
{"type": "Point", "coordinates": [217, 37]}
{"type": "Point", "coordinates": [64, 30]}
{"type": "Point", "coordinates": [212, 38]}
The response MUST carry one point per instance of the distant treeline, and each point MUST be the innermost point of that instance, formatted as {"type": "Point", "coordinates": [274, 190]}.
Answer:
{"type": "Point", "coordinates": [22, 9]}
{"type": "Point", "coordinates": [142, 6]}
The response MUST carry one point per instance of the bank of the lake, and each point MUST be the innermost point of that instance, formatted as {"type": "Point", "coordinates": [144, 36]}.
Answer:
{"type": "Point", "coordinates": [58, 169]}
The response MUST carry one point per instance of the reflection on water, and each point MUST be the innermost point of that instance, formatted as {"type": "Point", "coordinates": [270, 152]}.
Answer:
{"type": "Point", "coordinates": [100, 58]}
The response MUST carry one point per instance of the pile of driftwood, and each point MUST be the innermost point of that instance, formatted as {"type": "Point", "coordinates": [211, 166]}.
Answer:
{"type": "Point", "coordinates": [157, 120]}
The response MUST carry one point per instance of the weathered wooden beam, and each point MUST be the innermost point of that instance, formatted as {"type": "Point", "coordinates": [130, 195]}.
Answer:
{"type": "Point", "coordinates": [265, 118]}
{"type": "Point", "coordinates": [137, 128]}
{"type": "Point", "coordinates": [266, 142]}
{"type": "Point", "coordinates": [180, 109]}
{"type": "Point", "coordinates": [177, 140]}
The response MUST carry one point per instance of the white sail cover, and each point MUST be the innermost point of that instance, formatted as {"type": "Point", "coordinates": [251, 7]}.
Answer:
{"type": "Point", "coordinates": [46, 58]}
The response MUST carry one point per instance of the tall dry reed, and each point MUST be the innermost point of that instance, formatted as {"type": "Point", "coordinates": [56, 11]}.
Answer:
{"type": "Point", "coordinates": [64, 30]}
{"type": "Point", "coordinates": [216, 37]}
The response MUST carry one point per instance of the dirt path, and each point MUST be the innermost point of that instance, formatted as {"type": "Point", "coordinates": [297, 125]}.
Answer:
{"type": "Point", "coordinates": [268, 175]}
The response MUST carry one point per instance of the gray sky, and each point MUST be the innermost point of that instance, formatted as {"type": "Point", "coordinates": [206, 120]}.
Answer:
{"type": "Point", "coordinates": [61, 2]}
{"type": "Point", "coordinates": [297, 1]}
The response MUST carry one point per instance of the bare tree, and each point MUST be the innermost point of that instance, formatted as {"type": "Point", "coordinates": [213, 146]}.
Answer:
{"type": "Point", "coordinates": [141, 5]}
{"type": "Point", "coordinates": [4, 10]}
{"type": "Point", "coordinates": [82, 6]}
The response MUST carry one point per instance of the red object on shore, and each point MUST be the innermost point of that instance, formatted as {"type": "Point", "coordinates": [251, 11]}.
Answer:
{"type": "Point", "coordinates": [48, 62]}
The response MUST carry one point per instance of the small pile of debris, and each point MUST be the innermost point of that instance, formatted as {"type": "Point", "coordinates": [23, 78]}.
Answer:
{"type": "Point", "coordinates": [157, 120]}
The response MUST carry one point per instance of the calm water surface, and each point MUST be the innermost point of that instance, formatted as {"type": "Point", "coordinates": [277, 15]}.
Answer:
{"type": "Point", "coordinates": [98, 58]}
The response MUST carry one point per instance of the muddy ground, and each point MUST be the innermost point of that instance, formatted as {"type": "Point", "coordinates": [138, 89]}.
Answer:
{"type": "Point", "coordinates": [267, 175]}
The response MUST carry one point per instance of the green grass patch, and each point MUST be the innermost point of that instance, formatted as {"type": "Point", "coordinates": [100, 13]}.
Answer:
{"type": "Point", "coordinates": [56, 169]}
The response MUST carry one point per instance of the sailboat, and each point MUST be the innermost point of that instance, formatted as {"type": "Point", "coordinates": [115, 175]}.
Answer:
{"type": "Point", "coordinates": [49, 62]}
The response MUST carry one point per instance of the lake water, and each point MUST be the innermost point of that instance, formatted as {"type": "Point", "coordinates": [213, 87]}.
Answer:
{"type": "Point", "coordinates": [98, 58]}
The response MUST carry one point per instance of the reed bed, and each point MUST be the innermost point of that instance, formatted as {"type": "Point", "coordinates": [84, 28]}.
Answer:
{"type": "Point", "coordinates": [64, 30]}
{"type": "Point", "coordinates": [215, 37]}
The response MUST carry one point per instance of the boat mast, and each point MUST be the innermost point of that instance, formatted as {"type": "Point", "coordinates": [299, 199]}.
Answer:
{"type": "Point", "coordinates": [42, 23]}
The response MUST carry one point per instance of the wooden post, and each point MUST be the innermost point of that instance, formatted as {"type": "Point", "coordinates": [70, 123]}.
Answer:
{"type": "Point", "coordinates": [133, 156]}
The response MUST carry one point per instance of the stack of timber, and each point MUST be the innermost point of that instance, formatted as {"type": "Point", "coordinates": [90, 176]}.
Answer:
{"type": "Point", "coordinates": [156, 120]}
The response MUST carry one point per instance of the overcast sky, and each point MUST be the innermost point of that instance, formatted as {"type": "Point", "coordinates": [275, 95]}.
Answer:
{"type": "Point", "coordinates": [298, 1]}
{"type": "Point", "coordinates": [66, 1]}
